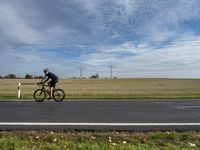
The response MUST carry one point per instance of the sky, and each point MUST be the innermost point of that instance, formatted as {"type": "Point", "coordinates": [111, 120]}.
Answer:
{"type": "Point", "coordinates": [139, 38]}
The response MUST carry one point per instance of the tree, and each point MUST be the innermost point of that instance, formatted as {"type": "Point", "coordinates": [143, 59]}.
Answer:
{"type": "Point", "coordinates": [28, 76]}
{"type": "Point", "coordinates": [10, 76]}
{"type": "Point", "coordinates": [96, 76]}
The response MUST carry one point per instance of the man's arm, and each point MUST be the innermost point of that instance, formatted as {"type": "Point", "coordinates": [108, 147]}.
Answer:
{"type": "Point", "coordinates": [45, 79]}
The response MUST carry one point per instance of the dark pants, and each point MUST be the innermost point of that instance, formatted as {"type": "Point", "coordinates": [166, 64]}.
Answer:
{"type": "Point", "coordinates": [52, 83]}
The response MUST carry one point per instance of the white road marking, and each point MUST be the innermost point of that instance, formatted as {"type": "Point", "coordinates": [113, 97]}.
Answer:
{"type": "Point", "coordinates": [187, 106]}
{"type": "Point", "coordinates": [93, 124]}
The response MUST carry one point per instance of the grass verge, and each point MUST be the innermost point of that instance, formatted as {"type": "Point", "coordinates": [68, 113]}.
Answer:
{"type": "Point", "coordinates": [20, 140]}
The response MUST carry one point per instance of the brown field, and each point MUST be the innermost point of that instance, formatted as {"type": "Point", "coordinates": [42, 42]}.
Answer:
{"type": "Point", "coordinates": [109, 88]}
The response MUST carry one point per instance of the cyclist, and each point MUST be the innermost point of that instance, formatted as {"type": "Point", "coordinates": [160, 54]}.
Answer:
{"type": "Point", "coordinates": [52, 83]}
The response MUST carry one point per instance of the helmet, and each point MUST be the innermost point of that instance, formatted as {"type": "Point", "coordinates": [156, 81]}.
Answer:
{"type": "Point", "coordinates": [46, 70]}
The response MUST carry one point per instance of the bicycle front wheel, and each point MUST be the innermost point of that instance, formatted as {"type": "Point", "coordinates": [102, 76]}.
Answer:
{"type": "Point", "coordinates": [39, 95]}
{"type": "Point", "coordinates": [58, 95]}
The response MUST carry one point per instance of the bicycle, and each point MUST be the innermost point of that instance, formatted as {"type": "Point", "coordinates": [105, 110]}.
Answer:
{"type": "Point", "coordinates": [41, 93]}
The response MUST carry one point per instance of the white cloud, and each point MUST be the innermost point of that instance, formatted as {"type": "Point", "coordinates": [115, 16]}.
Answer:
{"type": "Point", "coordinates": [98, 59]}
{"type": "Point", "coordinates": [178, 59]}
{"type": "Point", "coordinates": [15, 27]}
{"type": "Point", "coordinates": [166, 23]}
{"type": "Point", "coordinates": [128, 47]}
{"type": "Point", "coordinates": [94, 20]}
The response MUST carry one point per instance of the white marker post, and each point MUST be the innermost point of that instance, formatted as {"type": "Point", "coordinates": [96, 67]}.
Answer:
{"type": "Point", "coordinates": [19, 92]}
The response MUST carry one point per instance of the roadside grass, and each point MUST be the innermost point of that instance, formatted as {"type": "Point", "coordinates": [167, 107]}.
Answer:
{"type": "Point", "coordinates": [22, 140]}
{"type": "Point", "coordinates": [109, 88]}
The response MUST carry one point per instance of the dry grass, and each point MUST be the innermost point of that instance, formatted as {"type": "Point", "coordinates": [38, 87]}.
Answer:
{"type": "Point", "coordinates": [109, 88]}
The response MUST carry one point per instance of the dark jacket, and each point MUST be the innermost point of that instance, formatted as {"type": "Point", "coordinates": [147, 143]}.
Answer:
{"type": "Point", "coordinates": [48, 76]}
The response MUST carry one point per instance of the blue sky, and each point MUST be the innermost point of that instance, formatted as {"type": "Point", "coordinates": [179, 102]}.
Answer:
{"type": "Point", "coordinates": [140, 38]}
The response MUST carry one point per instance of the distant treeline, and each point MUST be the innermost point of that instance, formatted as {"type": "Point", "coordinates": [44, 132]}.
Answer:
{"type": "Point", "coordinates": [27, 76]}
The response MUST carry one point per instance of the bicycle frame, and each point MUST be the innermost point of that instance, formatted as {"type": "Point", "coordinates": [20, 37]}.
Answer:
{"type": "Point", "coordinates": [45, 90]}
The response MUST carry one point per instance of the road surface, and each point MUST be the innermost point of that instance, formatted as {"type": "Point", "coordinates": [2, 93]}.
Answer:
{"type": "Point", "coordinates": [126, 115]}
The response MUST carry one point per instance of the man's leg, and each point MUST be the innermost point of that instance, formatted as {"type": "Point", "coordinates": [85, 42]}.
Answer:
{"type": "Point", "coordinates": [52, 91]}
{"type": "Point", "coordinates": [52, 87]}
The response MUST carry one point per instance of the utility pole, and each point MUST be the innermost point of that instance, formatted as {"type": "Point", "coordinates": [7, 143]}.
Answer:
{"type": "Point", "coordinates": [34, 74]}
{"type": "Point", "coordinates": [111, 74]}
{"type": "Point", "coordinates": [81, 71]}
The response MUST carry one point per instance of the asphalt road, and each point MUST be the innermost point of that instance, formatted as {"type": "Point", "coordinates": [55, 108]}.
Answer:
{"type": "Point", "coordinates": [126, 115]}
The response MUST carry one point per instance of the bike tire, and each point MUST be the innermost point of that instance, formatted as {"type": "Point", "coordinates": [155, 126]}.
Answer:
{"type": "Point", "coordinates": [58, 95]}
{"type": "Point", "coordinates": [39, 95]}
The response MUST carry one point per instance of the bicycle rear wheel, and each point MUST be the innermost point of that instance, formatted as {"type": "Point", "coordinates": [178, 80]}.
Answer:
{"type": "Point", "coordinates": [58, 95]}
{"type": "Point", "coordinates": [39, 95]}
